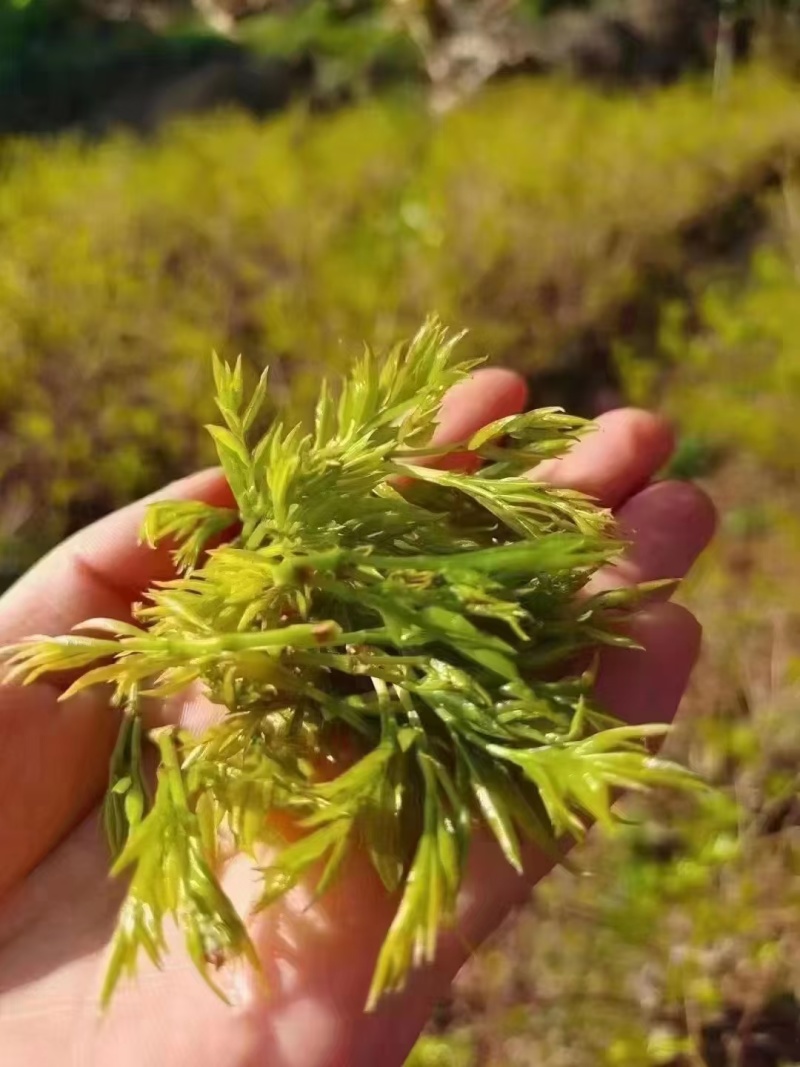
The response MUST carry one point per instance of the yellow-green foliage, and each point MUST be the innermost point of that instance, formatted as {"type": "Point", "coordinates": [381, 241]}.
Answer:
{"type": "Point", "coordinates": [524, 216]}
{"type": "Point", "coordinates": [735, 378]}
{"type": "Point", "coordinates": [726, 368]}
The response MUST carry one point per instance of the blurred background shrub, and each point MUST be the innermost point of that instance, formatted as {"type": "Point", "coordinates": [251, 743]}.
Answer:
{"type": "Point", "coordinates": [125, 263]}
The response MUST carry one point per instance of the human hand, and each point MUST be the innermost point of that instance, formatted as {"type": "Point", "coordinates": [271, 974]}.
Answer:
{"type": "Point", "coordinates": [58, 906]}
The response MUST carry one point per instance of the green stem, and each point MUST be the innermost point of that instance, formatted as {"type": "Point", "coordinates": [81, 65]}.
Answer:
{"type": "Point", "coordinates": [303, 635]}
{"type": "Point", "coordinates": [170, 765]}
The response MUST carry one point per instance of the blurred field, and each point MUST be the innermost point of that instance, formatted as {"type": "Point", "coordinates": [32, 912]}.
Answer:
{"type": "Point", "coordinates": [612, 247]}
{"type": "Point", "coordinates": [125, 263]}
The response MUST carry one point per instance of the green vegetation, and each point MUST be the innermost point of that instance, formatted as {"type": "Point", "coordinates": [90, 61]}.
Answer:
{"type": "Point", "coordinates": [451, 596]}
{"type": "Point", "coordinates": [750, 326]}
{"type": "Point", "coordinates": [125, 263]}
{"type": "Point", "coordinates": [347, 49]}
{"type": "Point", "coordinates": [59, 63]}
{"type": "Point", "coordinates": [648, 244]}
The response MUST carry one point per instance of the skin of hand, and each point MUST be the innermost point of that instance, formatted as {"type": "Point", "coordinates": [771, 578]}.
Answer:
{"type": "Point", "coordinates": [58, 907]}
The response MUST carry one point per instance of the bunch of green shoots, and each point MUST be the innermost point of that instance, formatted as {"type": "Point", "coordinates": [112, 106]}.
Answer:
{"type": "Point", "coordinates": [431, 618]}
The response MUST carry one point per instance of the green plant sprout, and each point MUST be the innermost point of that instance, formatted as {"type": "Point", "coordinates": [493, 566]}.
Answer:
{"type": "Point", "coordinates": [431, 617]}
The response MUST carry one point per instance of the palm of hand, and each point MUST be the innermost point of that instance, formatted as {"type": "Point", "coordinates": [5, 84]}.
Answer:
{"type": "Point", "coordinates": [58, 907]}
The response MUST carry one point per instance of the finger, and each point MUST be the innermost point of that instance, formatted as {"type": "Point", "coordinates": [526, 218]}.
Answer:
{"type": "Point", "coordinates": [485, 396]}
{"type": "Point", "coordinates": [646, 685]}
{"type": "Point", "coordinates": [668, 526]}
{"type": "Point", "coordinates": [54, 757]}
{"type": "Point", "coordinates": [101, 569]}
{"type": "Point", "coordinates": [621, 455]}
{"type": "Point", "coordinates": [53, 766]}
